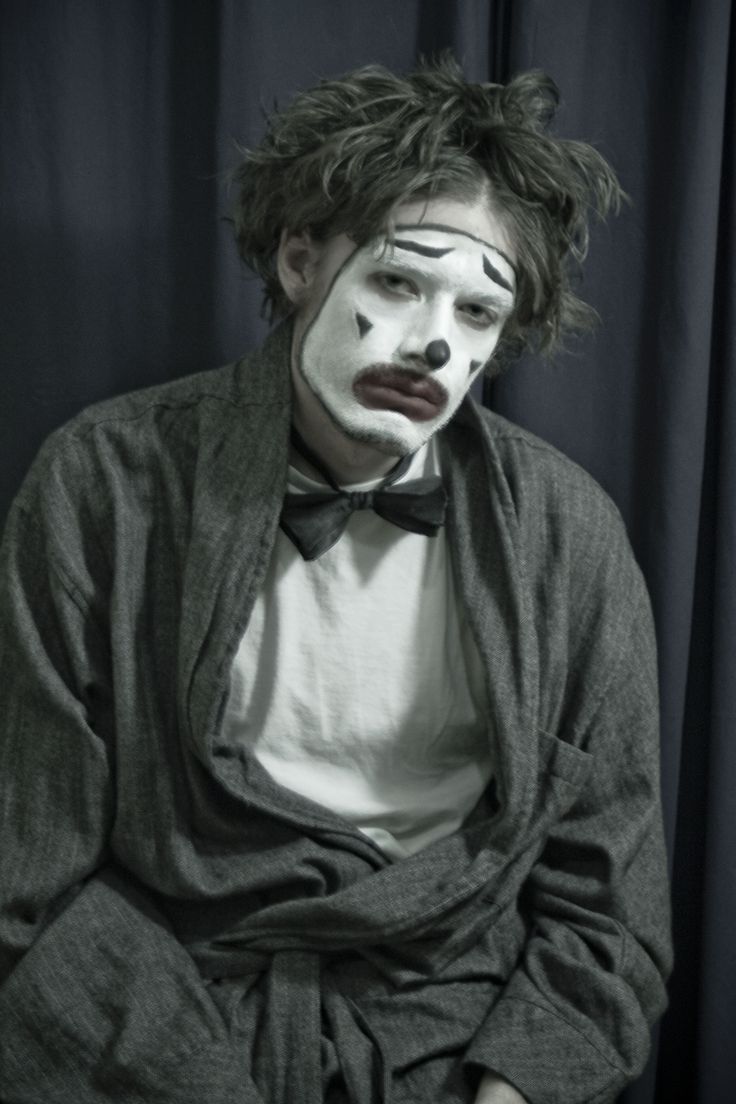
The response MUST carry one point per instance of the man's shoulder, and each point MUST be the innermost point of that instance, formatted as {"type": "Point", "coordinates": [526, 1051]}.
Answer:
{"type": "Point", "coordinates": [242, 383]}
{"type": "Point", "coordinates": [175, 413]}
{"type": "Point", "coordinates": [564, 532]}
{"type": "Point", "coordinates": [182, 394]}
{"type": "Point", "coordinates": [129, 430]}
{"type": "Point", "coordinates": [535, 469]}
{"type": "Point", "coordinates": [555, 514]}
{"type": "Point", "coordinates": [133, 444]}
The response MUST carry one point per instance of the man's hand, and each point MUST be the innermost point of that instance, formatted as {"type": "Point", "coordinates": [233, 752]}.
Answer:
{"type": "Point", "coordinates": [494, 1090]}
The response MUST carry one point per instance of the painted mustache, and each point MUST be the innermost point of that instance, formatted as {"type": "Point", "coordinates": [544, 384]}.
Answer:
{"type": "Point", "coordinates": [386, 386]}
{"type": "Point", "coordinates": [389, 387]}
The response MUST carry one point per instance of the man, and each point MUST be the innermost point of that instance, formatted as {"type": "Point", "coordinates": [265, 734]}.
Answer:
{"type": "Point", "coordinates": [329, 741]}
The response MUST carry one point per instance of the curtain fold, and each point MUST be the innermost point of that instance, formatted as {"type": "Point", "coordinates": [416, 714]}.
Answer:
{"type": "Point", "coordinates": [118, 127]}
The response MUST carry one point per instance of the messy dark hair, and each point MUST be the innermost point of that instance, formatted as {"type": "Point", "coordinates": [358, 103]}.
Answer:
{"type": "Point", "coordinates": [344, 155]}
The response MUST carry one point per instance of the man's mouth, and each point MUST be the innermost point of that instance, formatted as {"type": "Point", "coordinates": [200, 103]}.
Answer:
{"type": "Point", "coordinates": [387, 387]}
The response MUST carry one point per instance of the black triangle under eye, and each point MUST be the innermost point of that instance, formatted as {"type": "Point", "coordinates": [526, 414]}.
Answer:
{"type": "Point", "coordinates": [363, 324]}
{"type": "Point", "coordinates": [474, 365]}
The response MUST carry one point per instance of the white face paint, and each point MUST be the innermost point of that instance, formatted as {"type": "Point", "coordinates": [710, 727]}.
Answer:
{"type": "Point", "coordinates": [403, 330]}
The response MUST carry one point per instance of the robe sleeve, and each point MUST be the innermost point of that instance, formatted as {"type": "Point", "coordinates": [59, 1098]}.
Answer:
{"type": "Point", "coordinates": [572, 1025]}
{"type": "Point", "coordinates": [98, 999]}
{"type": "Point", "coordinates": [54, 745]}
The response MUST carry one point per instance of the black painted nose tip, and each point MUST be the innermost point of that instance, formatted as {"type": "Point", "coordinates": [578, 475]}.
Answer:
{"type": "Point", "coordinates": [437, 354]}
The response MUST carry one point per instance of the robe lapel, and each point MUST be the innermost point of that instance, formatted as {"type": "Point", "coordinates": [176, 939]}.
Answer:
{"type": "Point", "coordinates": [239, 483]}
{"type": "Point", "coordinates": [488, 560]}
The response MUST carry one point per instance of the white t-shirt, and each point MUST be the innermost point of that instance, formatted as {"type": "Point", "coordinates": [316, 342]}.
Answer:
{"type": "Point", "coordinates": [358, 684]}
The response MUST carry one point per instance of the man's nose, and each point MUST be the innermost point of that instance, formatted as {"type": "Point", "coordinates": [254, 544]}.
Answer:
{"type": "Point", "coordinates": [435, 353]}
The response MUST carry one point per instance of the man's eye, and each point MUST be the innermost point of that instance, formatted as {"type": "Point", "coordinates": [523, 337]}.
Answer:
{"type": "Point", "coordinates": [395, 285]}
{"type": "Point", "coordinates": [480, 316]}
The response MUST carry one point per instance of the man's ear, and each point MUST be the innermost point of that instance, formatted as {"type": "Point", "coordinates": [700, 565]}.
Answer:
{"type": "Point", "coordinates": [296, 263]}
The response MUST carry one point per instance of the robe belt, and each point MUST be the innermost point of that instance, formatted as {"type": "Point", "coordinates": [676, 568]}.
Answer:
{"type": "Point", "coordinates": [294, 957]}
{"type": "Point", "coordinates": [288, 1059]}
{"type": "Point", "coordinates": [303, 1013]}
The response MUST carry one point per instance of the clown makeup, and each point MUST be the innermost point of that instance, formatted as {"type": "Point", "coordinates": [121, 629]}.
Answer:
{"type": "Point", "coordinates": [403, 329]}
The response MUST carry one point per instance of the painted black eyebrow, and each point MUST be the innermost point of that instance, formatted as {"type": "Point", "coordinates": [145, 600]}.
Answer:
{"type": "Point", "coordinates": [491, 271]}
{"type": "Point", "coordinates": [423, 250]}
{"type": "Point", "coordinates": [454, 230]}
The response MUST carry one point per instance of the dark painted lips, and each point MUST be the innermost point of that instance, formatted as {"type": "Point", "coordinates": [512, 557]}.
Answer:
{"type": "Point", "coordinates": [416, 396]}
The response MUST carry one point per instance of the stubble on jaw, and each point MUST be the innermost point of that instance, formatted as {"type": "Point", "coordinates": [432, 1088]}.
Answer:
{"type": "Point", "coordinates": [354, 455]}
{"type": "Point", "coordinates": [381, 440]}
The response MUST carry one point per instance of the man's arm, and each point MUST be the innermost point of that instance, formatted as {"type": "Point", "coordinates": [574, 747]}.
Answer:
{"type": "Point", "coordinates": [572, 1024]}
{"type": "Point", "coordinates": [57, 802]}
{"type": "Point", "coordinates": [98, 999]}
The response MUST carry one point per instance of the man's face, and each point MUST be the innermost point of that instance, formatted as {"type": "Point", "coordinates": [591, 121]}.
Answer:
{"type": "Point", "coordinates": [392, 337]}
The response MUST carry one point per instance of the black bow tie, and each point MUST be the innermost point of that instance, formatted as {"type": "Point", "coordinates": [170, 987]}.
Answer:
{"type": "Point", "coordinates": [314, 522]}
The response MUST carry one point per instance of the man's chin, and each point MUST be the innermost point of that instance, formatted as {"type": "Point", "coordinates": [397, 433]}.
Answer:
{"type": "Point", "coordinates": [390, 433]}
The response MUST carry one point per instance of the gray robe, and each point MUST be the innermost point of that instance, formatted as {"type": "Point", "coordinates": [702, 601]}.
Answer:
{"type": "Point", "coordinates": [177, 928]}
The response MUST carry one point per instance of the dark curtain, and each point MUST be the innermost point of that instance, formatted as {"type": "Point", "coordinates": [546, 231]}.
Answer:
{"type": "Point", "coordinates": [117, 270]}
{"type": "Point", "coordinates": [648, 406]}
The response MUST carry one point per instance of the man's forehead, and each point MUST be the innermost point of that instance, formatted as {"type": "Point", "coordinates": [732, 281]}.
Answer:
{"type": "Point", "coordinates": [435, 241]}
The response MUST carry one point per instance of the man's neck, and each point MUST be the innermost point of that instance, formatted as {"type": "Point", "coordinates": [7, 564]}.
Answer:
{"type": "Point", "coordinates": [346, 460]}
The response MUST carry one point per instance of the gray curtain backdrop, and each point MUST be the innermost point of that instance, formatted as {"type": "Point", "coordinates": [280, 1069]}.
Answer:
{"type": "Point", "coordinates": [117, 270]}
